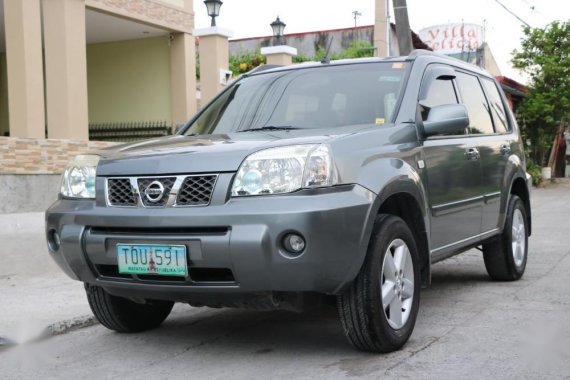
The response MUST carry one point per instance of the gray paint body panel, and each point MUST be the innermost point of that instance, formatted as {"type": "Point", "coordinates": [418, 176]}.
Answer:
{"type": "Point", "coordinates": [336, 238]}
{"type": "Point", "coordinates": [461, 203]}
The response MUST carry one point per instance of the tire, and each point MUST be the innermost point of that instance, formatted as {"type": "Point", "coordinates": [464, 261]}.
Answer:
{"type": "Point", "coordinates": [123, 315]}
{"type": "Point", "coordinates": [367, 324]}
{"type": "Point", "coordinates": [505, 256]}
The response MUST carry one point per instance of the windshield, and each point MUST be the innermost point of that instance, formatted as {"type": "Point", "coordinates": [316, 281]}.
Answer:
{"type": "Point", "coordinates": [319, 97]}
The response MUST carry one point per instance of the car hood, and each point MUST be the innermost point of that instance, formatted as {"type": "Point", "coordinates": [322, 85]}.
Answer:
{"type": "Point", "coordinates": [200, 154]}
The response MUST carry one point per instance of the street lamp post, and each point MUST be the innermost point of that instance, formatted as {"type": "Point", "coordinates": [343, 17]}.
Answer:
{"type": "Point", "coordinates": [214, 54]}
{"type": "Point", "coordinates": [279, 53]}
{"type": "Point", "coordinates": [278, 27]}
{"type": "Point", "coordinates": [213, 7]}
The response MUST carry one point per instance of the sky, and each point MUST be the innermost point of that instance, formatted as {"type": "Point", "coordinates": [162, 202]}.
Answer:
{"type": "Point", "coordinates": [251, 18]}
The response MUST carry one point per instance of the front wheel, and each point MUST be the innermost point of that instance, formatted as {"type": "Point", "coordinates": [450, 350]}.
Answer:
{"type": "Point", "coordinates": [378, 311]}
{"type": "Point", "coordinates": [123, 315]}
{"type": "Point", "coordinates": [505, 256]}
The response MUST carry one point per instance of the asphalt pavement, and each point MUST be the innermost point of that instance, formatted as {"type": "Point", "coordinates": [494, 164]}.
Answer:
{"type": "Point", "coordinates": [468, 326]}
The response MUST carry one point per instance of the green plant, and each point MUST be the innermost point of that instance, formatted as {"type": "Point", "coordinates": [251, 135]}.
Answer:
{"type": "Point", "coordinates": [359, 49]}
{"type": "Point", "coordinates": [244, 62]}
{"type": "Point", "coordinates": [535, 172]}
{"type": "Point", "coordinates": [545, 57]}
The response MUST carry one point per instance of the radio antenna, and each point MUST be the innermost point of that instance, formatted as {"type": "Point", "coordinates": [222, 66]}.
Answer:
{"type": "Point", "coordinates": [326, 60]}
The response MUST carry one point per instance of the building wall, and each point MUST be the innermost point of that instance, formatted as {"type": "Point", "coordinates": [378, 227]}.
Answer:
{"type": "Point", "coordinates": [30, 170]}
{"type": "Point", "coordinates": [4, 115]}
{"type": "Point", "coordinates": [176, 15]}
{"type": "Point", "coordinates": [45, 156]}
{"type": "Point", "coordinates": [129, 81]}
{"type": "Point", "coordinates": [308, 43]}
{"type": "Point", "coordinates": [177, 3]}
{"type": "Point", "coordinates": [489, 62]}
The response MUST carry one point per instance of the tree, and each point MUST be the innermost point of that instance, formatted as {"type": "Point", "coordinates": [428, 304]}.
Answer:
{"type": "Point", "coordinates": [545, 57]}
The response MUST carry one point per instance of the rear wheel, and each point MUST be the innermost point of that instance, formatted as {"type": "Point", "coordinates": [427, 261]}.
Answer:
{"type": "Point", "coordinates": [123, 315]}
{"type": "Point", "coordinates": [505, 256]}
{"type": "Point", "coordinates": [378, 312]}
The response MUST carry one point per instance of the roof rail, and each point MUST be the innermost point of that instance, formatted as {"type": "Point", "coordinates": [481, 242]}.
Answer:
{"type": "Point", "coordinates": [418, 52]}
{"type": "Point", "coordinates": [422, 52]}
{"type": "Point", "coordinates": [263, 68]}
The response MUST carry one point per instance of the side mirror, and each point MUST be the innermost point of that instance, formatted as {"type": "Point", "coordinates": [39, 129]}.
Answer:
{"type": "Point", "coordinates": [446, 119]}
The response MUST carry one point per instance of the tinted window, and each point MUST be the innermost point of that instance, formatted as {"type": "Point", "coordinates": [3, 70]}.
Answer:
{"type": "Point", "coordinates": [497, 106]}
{"type": "Point", "coordinates": [437, 92]}
{"type": "Point", "coordinates": [474, 99]}
{"type": "Point", "coordinates": [320, 97]}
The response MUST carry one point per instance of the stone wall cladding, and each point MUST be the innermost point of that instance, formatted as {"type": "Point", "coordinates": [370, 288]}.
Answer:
{"type": "Point", "coordinates": [34, 156]}
{"type": "Point", "coordinates": [152, 11]}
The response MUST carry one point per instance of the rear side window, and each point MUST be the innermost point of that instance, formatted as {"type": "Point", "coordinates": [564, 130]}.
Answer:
{"type": "Point", "coordinates": [497, 106]}
{"type": "Point", "coordinates": [474, 99]}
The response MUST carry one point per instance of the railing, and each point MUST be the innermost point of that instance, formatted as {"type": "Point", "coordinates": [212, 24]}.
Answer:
{"type": "Point", "coordinates": [128, 131]}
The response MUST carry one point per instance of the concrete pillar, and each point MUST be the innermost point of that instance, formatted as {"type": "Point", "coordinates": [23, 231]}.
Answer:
{"type": "Point", "coordinates": [214, 60]}
{"type": "Point", "coordinates": [23, 28]}
{"type": "Point", "coordinates": [279, 55]}
{"type": "Point", "coordinates": [381, 29]}
{"type": "Point", "coordinates": [182, 78]}
{"type": "Point", "coordinates": [403, 31]}
{"type": "Point", "coordinates": [66, 69]}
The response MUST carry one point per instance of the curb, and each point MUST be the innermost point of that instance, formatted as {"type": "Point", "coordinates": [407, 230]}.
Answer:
{"type": "Point", "coordinates": [58, 328]}
{"type": "Point", "coordinates": [69, 325]}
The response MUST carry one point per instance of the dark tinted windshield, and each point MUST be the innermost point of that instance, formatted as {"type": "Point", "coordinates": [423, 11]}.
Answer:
{"type": "Point", "coordinates": [320, 97]}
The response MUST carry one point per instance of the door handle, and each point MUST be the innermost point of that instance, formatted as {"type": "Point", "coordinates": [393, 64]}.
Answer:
{"type": "Point", "coordinates": [505, 149]}
{"type": "Point", "coordinates": [472, 154]}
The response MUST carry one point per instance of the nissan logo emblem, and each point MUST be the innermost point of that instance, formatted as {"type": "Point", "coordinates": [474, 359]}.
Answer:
{"type": "Point", "coordinates": [154, 191]}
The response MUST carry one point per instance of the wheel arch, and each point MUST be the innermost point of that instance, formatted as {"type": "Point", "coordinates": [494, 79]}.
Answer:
{"type": "Point", "coordinates": [399, 191]}
{"type": "Point", "coordinates": [519, 188]}
{"type": "Point", "coordinates": [407, 206]}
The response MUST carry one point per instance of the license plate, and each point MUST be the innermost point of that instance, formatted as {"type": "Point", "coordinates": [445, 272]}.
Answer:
{"type": "Point", "coordinates": [165, 260]}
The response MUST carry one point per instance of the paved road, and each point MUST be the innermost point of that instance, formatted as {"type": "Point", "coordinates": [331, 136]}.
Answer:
{"type": "Point", "coordinates": [468, 327]}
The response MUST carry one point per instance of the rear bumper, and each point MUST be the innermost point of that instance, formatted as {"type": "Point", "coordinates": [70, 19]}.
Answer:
{"type": "Point", "coordinates": [242, 236]}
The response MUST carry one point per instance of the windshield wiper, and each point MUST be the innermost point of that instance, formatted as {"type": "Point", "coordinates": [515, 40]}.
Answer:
{"type": "Point", "coordinates": [271, 128]}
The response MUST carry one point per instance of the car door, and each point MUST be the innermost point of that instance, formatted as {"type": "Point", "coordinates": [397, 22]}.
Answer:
{"type": "Point", "coordinates": [495, 151]}
{"type": "Point", "coordinates": [453, 170]}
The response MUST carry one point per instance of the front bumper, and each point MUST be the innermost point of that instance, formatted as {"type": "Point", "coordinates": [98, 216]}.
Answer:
{"type": "Point", "coordinates": [241, 236]}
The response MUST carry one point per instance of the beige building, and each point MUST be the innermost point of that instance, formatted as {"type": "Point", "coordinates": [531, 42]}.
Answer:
{"type": "Point", "coordinates": [67, 63]}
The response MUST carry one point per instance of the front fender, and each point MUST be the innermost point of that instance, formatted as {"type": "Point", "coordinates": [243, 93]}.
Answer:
{"type": "Point", "coordinates": [388, 177]}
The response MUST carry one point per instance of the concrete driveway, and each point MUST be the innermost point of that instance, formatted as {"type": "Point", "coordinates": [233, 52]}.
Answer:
{"type": "Point", "coordinates": [468, 327]}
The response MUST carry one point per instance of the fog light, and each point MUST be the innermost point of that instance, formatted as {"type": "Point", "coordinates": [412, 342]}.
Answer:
{"type": "Point", "coordinates": [294, 243]}
{"type": "Point", "coordinates": [54, 241]}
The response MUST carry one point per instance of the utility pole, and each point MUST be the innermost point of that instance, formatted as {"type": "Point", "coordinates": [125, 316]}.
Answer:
{"type": "Point", "coordinates": [356, 15]}
{"type": "Point", "coordinates": [403, 31]}
{"type": "Point", "coordinates": [382, 28]}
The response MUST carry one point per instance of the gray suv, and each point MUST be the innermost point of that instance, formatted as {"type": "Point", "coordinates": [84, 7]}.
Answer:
{"type": "Point", "coordinates": [303, 185]}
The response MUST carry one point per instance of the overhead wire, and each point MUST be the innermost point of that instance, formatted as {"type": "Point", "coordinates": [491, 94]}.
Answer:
{"type": "Point", "coordinates": [533, 9]}
{"type": "Point", "coordinates": [513, 13]}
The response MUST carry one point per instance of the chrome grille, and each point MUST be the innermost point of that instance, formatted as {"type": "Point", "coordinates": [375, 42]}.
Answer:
{"type": "Point", "coordinates": [120, 192]}
{"type": "Point", "coordinates": [174, 191]}
{"type": "Point", "coordinates": [144, 183]}
{"type": "Point", "coordinates": [196, 191]}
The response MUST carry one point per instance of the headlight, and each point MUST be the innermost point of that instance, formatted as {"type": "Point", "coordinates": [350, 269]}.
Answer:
{"type": "Point", "coordinates": [284, 170]}
{"type": "Point", "coordinates": [78, 180]}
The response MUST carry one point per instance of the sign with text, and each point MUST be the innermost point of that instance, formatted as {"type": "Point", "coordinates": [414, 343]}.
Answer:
{"type": "Point", "coordinates": [453, 38]}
